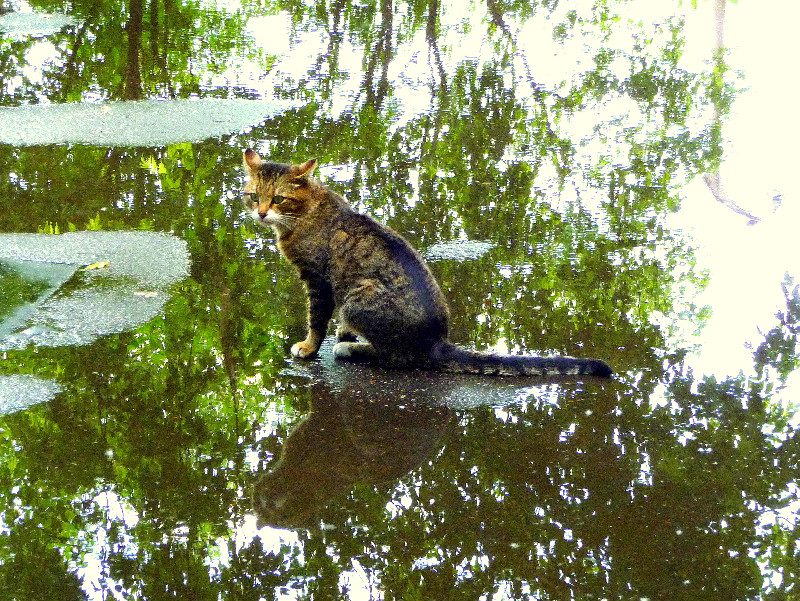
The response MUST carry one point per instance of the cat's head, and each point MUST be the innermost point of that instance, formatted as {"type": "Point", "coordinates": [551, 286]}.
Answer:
{"type": "Point", "coordinates": [277, 194]}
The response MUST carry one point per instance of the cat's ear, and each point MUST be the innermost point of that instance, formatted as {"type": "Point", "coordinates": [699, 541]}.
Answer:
{"type": "Point", "coordinates": [251, 160]}
{"type": "Point", "coordinates": [305, 169]}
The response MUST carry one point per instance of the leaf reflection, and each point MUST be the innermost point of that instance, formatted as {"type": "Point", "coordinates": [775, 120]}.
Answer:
{"type": "Point", "coordinates": [562, 135]}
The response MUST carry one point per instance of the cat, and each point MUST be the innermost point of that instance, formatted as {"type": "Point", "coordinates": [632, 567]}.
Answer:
{"type": "Point", "coordinates": [391, 309]}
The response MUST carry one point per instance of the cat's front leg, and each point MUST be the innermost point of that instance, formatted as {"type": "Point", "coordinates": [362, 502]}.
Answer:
{"type": "Point", "coordinates": [307, 349]}
{"type": "Point", "coordinates": [320, 309]}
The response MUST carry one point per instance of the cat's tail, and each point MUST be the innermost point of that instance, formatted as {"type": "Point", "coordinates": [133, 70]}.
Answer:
{"type": "Point", "coordinates": [451, 358]}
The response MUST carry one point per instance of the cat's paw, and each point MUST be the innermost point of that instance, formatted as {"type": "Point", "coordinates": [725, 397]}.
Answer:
{"type": "Point", "coordinates": [342, 350]}
{"type": "Point", "coordinates": [303, 350]}
{"type": "Point", "coordinates": [354, 351]}
{"type": "Point", "coordinates": [345, 335]}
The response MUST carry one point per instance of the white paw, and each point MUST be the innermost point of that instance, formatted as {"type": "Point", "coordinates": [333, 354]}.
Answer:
{"type": "Point", "coordinates": [342, 350]}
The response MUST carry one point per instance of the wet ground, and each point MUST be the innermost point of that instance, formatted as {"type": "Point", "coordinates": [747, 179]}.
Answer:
{"type": "Point", "coordinates": [546, 158]}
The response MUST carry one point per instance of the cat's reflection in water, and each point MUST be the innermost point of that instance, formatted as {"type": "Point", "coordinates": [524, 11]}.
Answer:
{"type": "Point", "coordinates": [340, 443]}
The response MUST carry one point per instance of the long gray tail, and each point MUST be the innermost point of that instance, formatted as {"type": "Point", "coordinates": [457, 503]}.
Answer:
{"type": "Point", "coordinates": [449, 357]}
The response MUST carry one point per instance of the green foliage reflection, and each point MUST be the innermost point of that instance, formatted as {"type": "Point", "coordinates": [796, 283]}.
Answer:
{"type": "Point", "coordinates": [17, 290]}
{"type": "Point", "coordinates": [660, 485]}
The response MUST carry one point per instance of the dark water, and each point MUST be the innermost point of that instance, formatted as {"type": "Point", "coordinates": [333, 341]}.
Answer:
{"type": "Point", "coordinates": [557, 138]}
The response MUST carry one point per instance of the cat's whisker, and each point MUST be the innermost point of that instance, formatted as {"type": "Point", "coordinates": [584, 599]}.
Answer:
{"type": "Point", "coordinates": [287, 221]}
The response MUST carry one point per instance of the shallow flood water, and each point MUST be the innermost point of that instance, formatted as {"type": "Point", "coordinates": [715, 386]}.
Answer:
{"type": "Point", "coordinates": [537, 154]}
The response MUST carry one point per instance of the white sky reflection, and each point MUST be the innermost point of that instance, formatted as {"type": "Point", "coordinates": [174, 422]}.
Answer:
{"type": "Point", "coordinates": [747, 263]}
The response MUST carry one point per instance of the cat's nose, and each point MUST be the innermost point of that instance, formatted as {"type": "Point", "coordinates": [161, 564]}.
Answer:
{"type": "Point", "coordinates": [262, 215]}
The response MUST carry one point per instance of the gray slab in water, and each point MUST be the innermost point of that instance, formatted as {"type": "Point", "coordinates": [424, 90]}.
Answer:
{"type": "Point", "coordinates": [35, 24]}
{"type": "Point", "coordinates": [428, 388]}
{"type": "Point", "coordinates": [129, 290]}
{"type": "Point", "coordinates": [134, 123]}
{"type": "Point", "coordinates": [152, 258]}
{"type": "Point", "coordinates": [458, 250]}
{"type": "Point", "coordinates": [20, 391]}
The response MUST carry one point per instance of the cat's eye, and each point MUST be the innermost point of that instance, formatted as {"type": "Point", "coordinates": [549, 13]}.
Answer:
{"type": "Point", "coordinates": [278, 199]}
{"type": "Point", "coordinates": [253, 196]}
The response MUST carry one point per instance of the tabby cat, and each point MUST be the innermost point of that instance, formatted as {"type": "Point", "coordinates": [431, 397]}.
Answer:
{"type": "Point", "coordinates": [391, 309]}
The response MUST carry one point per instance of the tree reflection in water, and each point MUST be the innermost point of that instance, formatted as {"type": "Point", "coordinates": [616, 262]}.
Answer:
{"type": "Point", "coordinates": [448, 124]}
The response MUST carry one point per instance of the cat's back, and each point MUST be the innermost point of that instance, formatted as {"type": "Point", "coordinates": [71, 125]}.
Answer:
{"type": "Point", "coordinates": [376, 249]}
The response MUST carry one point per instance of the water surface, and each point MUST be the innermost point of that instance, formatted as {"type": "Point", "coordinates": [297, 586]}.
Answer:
{"type": "Point", "coordinates": [538, 153]}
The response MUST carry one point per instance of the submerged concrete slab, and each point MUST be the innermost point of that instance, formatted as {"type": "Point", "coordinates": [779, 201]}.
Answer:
{"type": "Point", "coordinates": [458, 250]}
{"type": "Point", "coordinates": [35, 24]}
{"type": "Point", "coordinates": [127, 285]}
{"type": "Point", "coordinates": [418, 387]}
{"type": "Point", "coordinates": [20, 391]}
{"type": "Point", "coordinates": [133, 123]}
{"type": "Point", "coordinates": [43, 279]}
